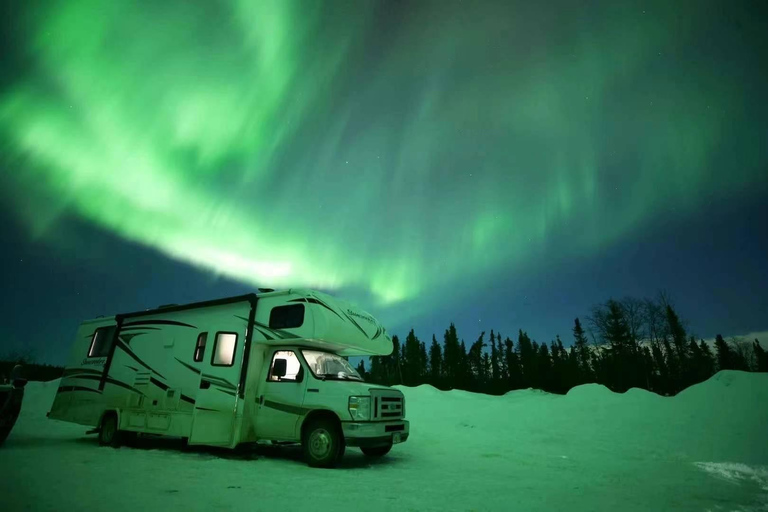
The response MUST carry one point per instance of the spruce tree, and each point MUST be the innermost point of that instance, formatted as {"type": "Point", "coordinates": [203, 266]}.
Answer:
{"type": "Point", "coordinates": [583, 354]}
{"type": "Point", "coordinates": [464, 372]}
{"type": "Point", "coordinates": [503, 369]}
{"type": "Point", "coordinates": [514, 376]}
{"type": "Point", "coordinates": [485, 376]}
{"type": "Point", "coordinates": [395, 372]}
{"type": "Point", "coordinates": [527, 359]}
{"type": "Point", "coordinates": [760, 356]}
{"type": "Point", "coordinates": [724, 354]}
{"type": "Point", "coordinates": [361, 369]}
{"type": "Point", "coordinates": [495, 366]}
{"type": "Point", "coordinates": [411, 360]}
{"type": "Point", "coordinates": [435, 363]}
{"type": "Point", "coordinates": [423, 363]}
{"type": "Point", "coordinates": [679, 342]}
{"type": "Point", "coordinates": [544, 364]}
{"type": "Point", "coordinates": [451, 357]}
{"type": "Point", "coordinates": [707, 360]}
{"type": "Point", "coordinates": [476, 362]}
{"type": "Point", "coordinates": [376, 375]}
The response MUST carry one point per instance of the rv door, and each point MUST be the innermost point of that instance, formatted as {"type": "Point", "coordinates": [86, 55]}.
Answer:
{"type": "Point", "coordinates": [281, 396]}
{"type": "Point", "coordinates": [214, 413]}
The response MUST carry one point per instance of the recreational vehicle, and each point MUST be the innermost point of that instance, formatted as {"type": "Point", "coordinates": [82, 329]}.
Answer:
{"type": "Point", "coordinates": [266, 367]}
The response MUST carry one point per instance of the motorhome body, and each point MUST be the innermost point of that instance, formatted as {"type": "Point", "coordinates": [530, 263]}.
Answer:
{"type": "Point", "coordinates": [259, 367]}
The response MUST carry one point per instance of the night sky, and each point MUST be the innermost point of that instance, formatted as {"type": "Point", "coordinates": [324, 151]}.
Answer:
{"type": "Point", "coordinates": [501, 165]}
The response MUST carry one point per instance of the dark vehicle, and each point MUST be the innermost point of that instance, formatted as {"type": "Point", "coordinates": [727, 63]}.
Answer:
{"type": "Point", "coordinates": [11, 395]}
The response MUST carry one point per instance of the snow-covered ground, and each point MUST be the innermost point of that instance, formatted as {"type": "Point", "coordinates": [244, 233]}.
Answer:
{"type": "Point", "coordinates": [706, 449]}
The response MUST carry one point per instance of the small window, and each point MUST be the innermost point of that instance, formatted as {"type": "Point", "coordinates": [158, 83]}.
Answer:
{"type": "Point", "coordinates": [286, 317]}
{"type": "Point", "coordinates": [293, 370]}
{"type": "Point", "coordinates": [101, 342]}
{"type": "Point", "coordinates": [200, 346]}
{"type": "Point", "coordinates": [224, 349]}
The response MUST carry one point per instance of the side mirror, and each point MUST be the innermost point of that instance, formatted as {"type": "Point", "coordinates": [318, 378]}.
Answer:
{"type": "Point", "coordinates": [279, 368]}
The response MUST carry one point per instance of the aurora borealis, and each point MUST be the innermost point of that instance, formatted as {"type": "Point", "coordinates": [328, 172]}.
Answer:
{"type": "Point", "coordinates": [388, 151]}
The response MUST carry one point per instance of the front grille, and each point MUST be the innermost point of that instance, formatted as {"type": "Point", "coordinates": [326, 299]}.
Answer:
{"type": "Point", "coordinates": [394, 428]}
{"type": "Point", "coordinates": [387, 406]}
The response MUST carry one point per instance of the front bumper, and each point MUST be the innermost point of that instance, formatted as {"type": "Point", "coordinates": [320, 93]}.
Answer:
{"type": "Point", "coordinates": [374, 433]}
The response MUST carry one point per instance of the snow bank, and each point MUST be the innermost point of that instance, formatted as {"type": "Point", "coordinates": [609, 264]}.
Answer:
{"type": "Point", "coordinates": [591, 449]}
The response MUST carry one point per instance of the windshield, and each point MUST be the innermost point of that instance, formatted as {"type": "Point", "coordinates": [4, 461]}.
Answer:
{"type": "Point", "coordinates": [326, 365]}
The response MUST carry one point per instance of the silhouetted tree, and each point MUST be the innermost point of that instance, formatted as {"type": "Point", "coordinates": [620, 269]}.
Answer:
{"type": "Point", "coordinates": [724, 354]}
{"type": "Point", "coordinates": [583, 354]}
{"type": "Point", "coordinates": [527, 357]}
{"type": "Point", "coordinates": [476, 362]}
{"type": "Point", "coordinates": [760, 356]}
{"type": "Point", "coordinates": [435, 363]}
{"type": "Point", "coordinates": [495, 364]}
{"type": "Point", "coordinates": [361, 370]}
{"type": "Point", "coordinates": [512, 361]}
{"type": "Point", "coordinates": [452, 357]}
{"type": "Point", "coordinates": [411, 360]}
{"type": "Point", "coordinates": [707, 360]}
{"type": "Point", "coordinates": [544, 367]}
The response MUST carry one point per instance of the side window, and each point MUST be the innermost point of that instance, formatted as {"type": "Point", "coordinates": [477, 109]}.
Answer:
{"type": "Point", "coordinates": [286, 317]}
{"type": "Point", "coordinates": [224, 349]}
{"type": "Point", "coordinates": [101, 342]}
{"type": "Point", "coordinates": [200, 346]}
{"type": "Point", "coordinates": [293, 370]}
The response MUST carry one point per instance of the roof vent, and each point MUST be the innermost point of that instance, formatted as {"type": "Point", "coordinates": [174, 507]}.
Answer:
{"type": "Point", "coordinates": [266, 290]}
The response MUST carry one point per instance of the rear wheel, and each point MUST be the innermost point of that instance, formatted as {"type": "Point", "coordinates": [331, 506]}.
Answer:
{"type": "Point", "coordinates": [322, 443]}
{"type": "Point", "coordinates": [109, 435]}
{"type": "Point", "coordinates": [376, 451]}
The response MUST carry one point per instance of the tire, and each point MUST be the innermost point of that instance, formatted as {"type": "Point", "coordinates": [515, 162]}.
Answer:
{"type": "Point", "coordinates": [322, 443]}
{"type": "Point", "coordinates": [376, 451]}
{"type": "Point", "coordinates": [109, 435]}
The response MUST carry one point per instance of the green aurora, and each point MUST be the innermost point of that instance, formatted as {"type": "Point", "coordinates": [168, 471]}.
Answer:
{"type": "Point", "coordinates": [386, 149]}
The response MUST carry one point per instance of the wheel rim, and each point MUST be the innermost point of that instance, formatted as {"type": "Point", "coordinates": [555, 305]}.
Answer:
{"type": "Point", "coordinates": [320, 443]}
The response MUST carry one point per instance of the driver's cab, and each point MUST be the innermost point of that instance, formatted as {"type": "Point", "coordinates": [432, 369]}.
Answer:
{"type": "Point", "coordinates": [298, 380]}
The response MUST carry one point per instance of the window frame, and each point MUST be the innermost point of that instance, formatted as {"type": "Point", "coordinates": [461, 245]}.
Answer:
{"type": "Point", "coordinates": [198, 347]}
{"type": "Point", "coordinates": [216, 344]}
{"type": "Point", "coordinates": [93, 341]}
{"type": "Point", "coordinates": [299, 376]}
{"type": "Point", "coordinates": [303, 316]}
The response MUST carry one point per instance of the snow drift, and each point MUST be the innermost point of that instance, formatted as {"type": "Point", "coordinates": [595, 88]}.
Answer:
{"type": "Point", "coordinates": [705, 449]}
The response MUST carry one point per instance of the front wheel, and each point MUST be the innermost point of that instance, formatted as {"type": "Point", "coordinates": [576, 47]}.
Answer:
{"type": "Point", "coordinates": [323, 444]}
{"type": "Point", "coordinates": [376, 451]}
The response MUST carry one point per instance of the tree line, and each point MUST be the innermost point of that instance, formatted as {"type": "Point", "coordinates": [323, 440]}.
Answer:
{"type": "Point", "coordinates": [626, 343]}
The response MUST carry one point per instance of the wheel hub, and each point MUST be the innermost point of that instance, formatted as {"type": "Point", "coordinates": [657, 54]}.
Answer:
{"type": "Point", "coordinates": [320, 443]}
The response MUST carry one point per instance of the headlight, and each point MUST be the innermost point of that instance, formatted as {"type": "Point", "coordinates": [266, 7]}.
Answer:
{"type": "Point", "coordinates": [360, 407]}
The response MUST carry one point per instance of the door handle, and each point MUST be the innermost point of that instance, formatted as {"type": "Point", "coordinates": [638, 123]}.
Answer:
{"type": "Point", "coordinates": [261, 400]}
{"type": "Point", "coordinates": [204, 384]}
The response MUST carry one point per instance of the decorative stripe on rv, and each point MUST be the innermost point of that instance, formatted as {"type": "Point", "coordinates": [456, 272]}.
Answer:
{"type": "Point", "coordinates": [265, 334]}
{"type": "Point", "coordinates": [136, 358]}
{"type": "Point", "coordinates": [189, 366]}
{"type": "Point", "coordinates": [69, 372]}
{"type": "Point", "coordinates": [65, 389]}
{"type": "Point", "coordinates": [224, 383]}
{"type": "Point", "coordinates": [291, 409]}
{"type": "Point", "coordinates": [109, 379]}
